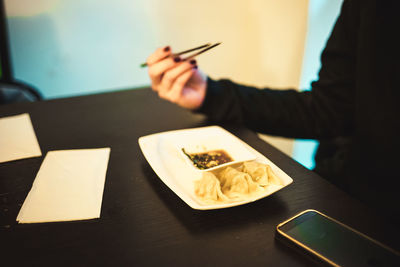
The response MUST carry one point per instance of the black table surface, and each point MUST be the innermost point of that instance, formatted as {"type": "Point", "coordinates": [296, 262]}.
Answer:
{"type": "Point", "coordinates": [143, 223]}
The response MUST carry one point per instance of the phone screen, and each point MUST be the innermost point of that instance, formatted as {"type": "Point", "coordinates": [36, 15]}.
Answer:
{"type": "Point", "coordinates": [336, 242]}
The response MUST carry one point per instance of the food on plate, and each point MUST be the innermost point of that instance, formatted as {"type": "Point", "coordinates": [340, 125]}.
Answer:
{"type": "Point", "coordinates": [235, 183]}
{"type": "Point", "coordinates": [209, 188]}
{"type": "Point", "coordinates": [261, 173]}
{"type": "Point", "coordinates": [206, 160]}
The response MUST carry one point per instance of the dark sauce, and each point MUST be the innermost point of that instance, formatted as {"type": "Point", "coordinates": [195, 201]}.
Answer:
{"type": "Point", "coordinates": [208, 159]}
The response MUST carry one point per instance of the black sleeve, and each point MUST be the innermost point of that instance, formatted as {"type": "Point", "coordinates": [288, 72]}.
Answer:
{"type": "Point", "coordinates": [325, 111]}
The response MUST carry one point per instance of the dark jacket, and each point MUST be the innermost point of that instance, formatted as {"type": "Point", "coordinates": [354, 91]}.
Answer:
{"type": "Point", "coordinates": [352, 109]}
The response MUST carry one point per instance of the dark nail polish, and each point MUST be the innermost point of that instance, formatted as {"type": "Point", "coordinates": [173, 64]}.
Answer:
{"type": "Point", "coordinates": [177, 59]}
{"type": "Point", "coordinates": [166, 49]}
{"type": "Point", "coordinates": [193, 61]}
{"type": "Point", "coordinates": [195, 67]}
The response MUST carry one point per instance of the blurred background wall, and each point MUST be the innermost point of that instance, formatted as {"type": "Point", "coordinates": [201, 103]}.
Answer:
{"type": "Point", "coordinates": [74, 47]}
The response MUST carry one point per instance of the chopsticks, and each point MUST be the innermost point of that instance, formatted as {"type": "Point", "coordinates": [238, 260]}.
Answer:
{"type": "Point", "coordinates": [204, 48]}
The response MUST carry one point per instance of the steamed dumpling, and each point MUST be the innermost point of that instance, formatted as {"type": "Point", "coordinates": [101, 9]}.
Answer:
{"type": "Point", "coordinates": [235, 183]}
{"type": "Point", "coordinates": [261, 173]}
{"type": "Point", "coordinates": [272, 178]}
{"type": "Point", "coordinates": [257, 171]}
{"type": "Point", "coordinates": [208, 188]}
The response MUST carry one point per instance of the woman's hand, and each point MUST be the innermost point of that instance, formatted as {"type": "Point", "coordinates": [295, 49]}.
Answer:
{"type": "Point", "coordinates": [176, 80]}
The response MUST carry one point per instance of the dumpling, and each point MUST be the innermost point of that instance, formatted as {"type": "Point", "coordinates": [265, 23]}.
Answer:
{"type": "Point", "coordinates": [261, 173]}
{"type": "Point", "coordinates": [236, 184]}
{"type": "Point", "coordinates": [272, 178]}
{"type": "Point", "coordinates": [257, 171]}
{"type": "Point", "coordinates": [208, 188]}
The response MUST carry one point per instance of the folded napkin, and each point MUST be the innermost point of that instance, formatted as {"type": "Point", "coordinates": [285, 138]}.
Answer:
{"type": "Point", "coordinates": [17, 138]}
{"type": "Point", "coordinates": [69, 186]}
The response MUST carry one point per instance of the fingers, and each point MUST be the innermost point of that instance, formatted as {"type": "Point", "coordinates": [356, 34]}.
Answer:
{"type": "Point", "coordinates": [159, 62]}
{"type": "Point", "coordinates": [175, 94]}
{"type": "Point", "coordinates": [158, 55]}
{"type": "Point", "coordinates": [170, 76]}
{"type": "Point", "coordinates": [158, 69]}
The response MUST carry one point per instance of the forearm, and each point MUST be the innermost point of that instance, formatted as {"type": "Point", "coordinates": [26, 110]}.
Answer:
{"type": "Point", "coordinates": [278, 112]}
{"type": "Point", "coordinates": [328, 110]}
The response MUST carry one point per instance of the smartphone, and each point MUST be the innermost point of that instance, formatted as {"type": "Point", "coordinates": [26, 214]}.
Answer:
{"type": "Point", "coordinates": [333, 242]}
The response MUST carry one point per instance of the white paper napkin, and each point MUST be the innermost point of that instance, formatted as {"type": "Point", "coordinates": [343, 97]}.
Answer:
{"type": "Point", "coordinates": [17, 138]}
{"type": "Point", "coordinates": [69, 186]}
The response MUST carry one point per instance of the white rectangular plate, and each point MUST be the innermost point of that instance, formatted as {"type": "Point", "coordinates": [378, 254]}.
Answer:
{"type": "Point", "coordinates": [167, 162]}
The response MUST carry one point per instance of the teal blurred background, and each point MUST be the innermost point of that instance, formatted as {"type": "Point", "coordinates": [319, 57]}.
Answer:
{"type": "Point", "coordinates": [68, 48]}
{"type": "Point", "coordinates": [74, 47]}
{"type": "Point", "coordinates": [322, 15]}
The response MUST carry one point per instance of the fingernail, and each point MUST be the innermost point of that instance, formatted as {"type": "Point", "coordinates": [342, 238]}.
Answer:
{"type": "Point", "coordinates": [177, 59]}
{"type": "Point", "coordinates": [166, 49]}
{"type": "Point", "coordinates": [193, 61]}
{"type": "Point", "coordinates": [195, 67]}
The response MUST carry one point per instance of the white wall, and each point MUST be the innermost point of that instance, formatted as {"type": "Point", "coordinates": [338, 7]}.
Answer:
{"type": "Point", "coordinates": [72, 47]}
{"type": "Point", "coordinates": [262, 41]}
